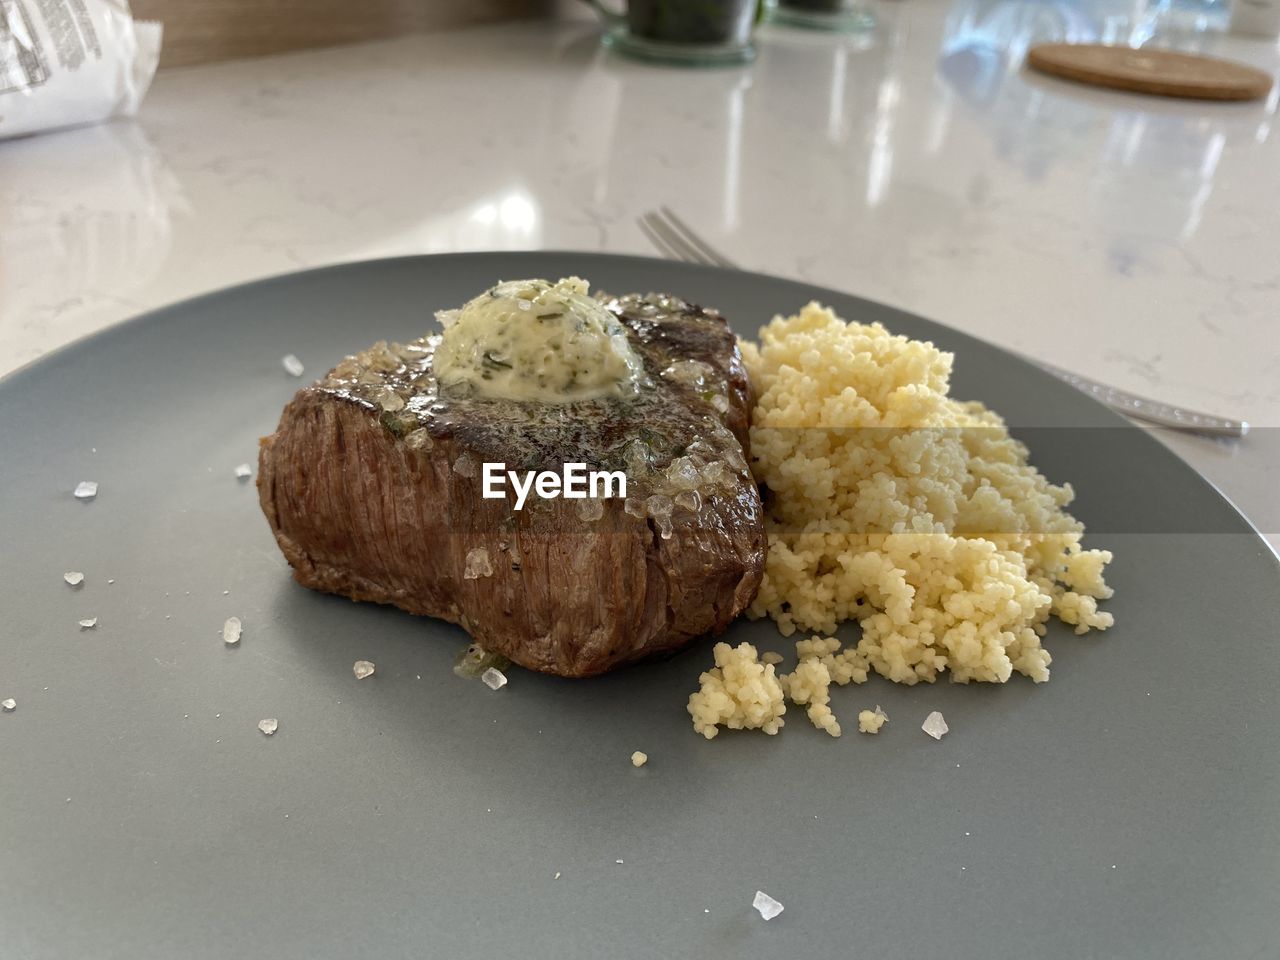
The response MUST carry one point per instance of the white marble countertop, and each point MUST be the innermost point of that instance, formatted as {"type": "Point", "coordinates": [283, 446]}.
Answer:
{"type": "Point", "coordinates": [1131, 239]}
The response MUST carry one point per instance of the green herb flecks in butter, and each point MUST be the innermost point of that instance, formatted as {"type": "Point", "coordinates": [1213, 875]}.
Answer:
{"type": "Point", "coordinates": [537, 340]}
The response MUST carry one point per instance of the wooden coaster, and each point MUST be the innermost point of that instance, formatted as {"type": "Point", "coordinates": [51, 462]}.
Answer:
{"type": "Point", "coordinates": [1165, 73]}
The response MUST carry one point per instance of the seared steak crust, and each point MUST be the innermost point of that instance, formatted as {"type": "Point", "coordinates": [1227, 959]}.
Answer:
{"type": "Point", "coordinates": [372, 486]}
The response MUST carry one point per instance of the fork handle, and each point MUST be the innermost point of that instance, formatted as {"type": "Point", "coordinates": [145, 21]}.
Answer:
{"type": "Point", "coordinates": [1151, 411]}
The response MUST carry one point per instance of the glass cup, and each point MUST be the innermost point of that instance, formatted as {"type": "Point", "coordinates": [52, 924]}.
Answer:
{"type": "Point", "coordinates": [691, 32]}
{"type": "Point", "coordinates": [838, 15]}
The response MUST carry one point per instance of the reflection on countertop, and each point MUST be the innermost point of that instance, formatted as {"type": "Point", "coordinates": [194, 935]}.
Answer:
{"type": "Point", "coordinates": [87, 222]}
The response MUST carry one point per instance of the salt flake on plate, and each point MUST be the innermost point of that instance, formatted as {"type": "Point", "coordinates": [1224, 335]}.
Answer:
{"type": "Point", "coordinates": [292, 365]}
{"type": "Point", "coordinates": [244, 471]}
{"type": "Point", "coordinates": [363, 668]}
{"type": "Point", "coordinates": [766, 905]}
{"type": "Point", "coordinates": [231, 631]}
{"type": "Point", "coordinates": [269, 726]}
{"type": "Point", "coordinates": [934, 725]}
{"type": "Point", "coordinates": [73, 577]}
{"type": "Point", "coordinates": [9, 705]}
{"type": "Point", "coordinates": [89, 624]}
{"type": "Point", "coordinates": [494, 679]}
{"type": "Point", "coordinates": [86, 489]}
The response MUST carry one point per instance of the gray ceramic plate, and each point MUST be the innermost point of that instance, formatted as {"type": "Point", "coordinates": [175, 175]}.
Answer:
{"type": "Point", "coordinates": [1125, 809]}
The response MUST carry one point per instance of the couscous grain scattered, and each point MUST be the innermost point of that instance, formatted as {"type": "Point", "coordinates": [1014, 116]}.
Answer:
{"type": "Point", "coordinates": [740, 693]}
{"type": "Point", "coordinates": [870, 721]}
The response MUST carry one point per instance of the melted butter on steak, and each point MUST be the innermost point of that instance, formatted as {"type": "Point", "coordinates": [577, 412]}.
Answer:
{"type": "Point", "coordinates": [536, 340]}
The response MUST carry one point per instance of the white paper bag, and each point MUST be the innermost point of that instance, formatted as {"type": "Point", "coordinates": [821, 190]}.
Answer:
{"type": "Point", "coordinates": [70, 62]}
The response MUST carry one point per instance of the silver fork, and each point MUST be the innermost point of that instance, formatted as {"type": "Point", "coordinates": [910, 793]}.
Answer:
{"type": "Point", "coordinates": [676, 240]}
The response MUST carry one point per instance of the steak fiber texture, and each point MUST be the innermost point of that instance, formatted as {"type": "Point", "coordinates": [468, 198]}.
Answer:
{"type": "Point", "coordinates": [372, 485]}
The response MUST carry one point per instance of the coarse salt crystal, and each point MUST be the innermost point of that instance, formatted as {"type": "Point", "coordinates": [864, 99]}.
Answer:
{"type": "Point", "coordinates": [934, 725]}
{"type": "Point", "coordinates": [689, 499]}
{"type": "Point", "coordinates": [231, 631]}
{"type": "Point", "coordinates": [419, 439]}
{"type": "Point", "coordinates": [89, 624]}
{"type": "Point", "coordinates": [683, 474]}
{"type": "Point", "coordinates": [557, 876]}
{"type": "Point", "coordinates": [363, 668]}
{"type": "Point", "coordinates": [73, 577]}
{"type": "Point", "coordinates": [639, 759]}
{"type": "Point", "coordinates": [590, 508]}
{"type": "Point", "coordinates": [244, 471]}
{"type": "Point", "coordinates": [766, 905]}
{"type": "Point", "coordinates": [494, 678]}
{"type": "Point", "coordinates": [269, 726]}
{"type": "Point", "coordinates": [477, 565]}
{"type": "Point", "coordinates": [389, 400]}
{"type": "Point", "coordinates": [86, 489]}
{"type": "Point", "coordinates": [292, 365]}
{"type": "Point", "coordinates": [9, 705]}
{"type": "Point", "coordinates": [617, 861]}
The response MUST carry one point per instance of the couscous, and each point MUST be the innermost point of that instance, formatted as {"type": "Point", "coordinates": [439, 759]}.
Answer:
{"type": "Point", "coordinates": [891, 504]}
{"type": "Point", "coordinates": [915, 514]}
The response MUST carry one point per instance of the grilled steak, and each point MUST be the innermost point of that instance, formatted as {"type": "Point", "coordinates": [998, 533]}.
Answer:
{"type": "Point", "coordinates": [372, 487]}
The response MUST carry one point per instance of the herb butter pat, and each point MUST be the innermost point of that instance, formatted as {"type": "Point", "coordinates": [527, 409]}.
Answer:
{"type": "Point", "coordinates": [537, 340]}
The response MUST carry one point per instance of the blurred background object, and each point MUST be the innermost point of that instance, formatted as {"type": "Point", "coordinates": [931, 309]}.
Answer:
{"type": "Point", "coordinates": [204, 31]}
{"type": "Point", "coordinates": [840, 16]}
{"type": "Point", "coordinates": [1166, 73]}
{"type": "Point", "coordinates": [689, 32]}
{"type": "Point", "coordinates": [66, 63]}
{"type": "Point", "coordinates": [1256, 18]}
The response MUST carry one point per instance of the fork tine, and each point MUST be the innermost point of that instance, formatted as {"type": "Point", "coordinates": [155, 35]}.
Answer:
{"type": "Point", "coordinates": [672, 240]}
{"type": "Point", "coordinates": [690, 236]}
{"type": "Point", "coordinates": [658, 241]}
